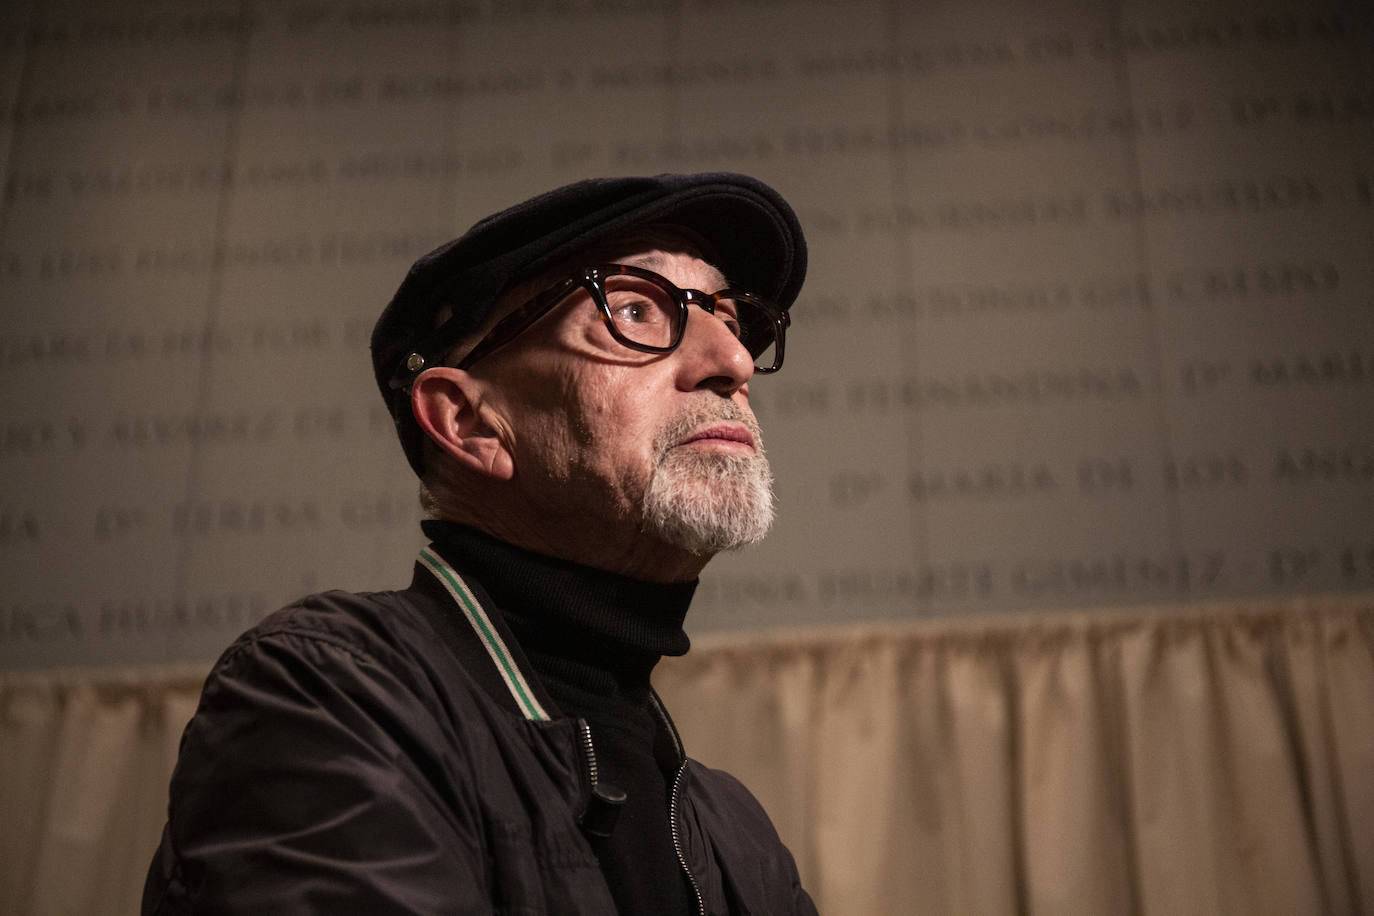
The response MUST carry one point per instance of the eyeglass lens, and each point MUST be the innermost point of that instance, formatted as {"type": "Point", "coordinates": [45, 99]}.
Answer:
{"type": "Point", "coordinates": [646, 313]}
{"type": "Point", "coordinates": [642, 311]}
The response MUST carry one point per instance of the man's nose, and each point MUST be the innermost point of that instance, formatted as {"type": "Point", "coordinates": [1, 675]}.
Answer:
{"type": "Point", "coordinates": [711, 356]}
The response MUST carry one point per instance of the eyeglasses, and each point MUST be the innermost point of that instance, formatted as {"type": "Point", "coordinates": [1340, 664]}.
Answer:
{"type": "Point", "coordinates": [645, 312]}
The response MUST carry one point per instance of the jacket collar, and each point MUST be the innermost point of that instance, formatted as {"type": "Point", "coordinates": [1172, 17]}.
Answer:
{"type": "Point", "coordinates": [509, 678]}
{"type": "Point", "coordinates": [495, 643]}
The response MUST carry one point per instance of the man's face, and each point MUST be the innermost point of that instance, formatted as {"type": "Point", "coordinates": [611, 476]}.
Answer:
{"type": "Point", "coordinates": [622, 458]}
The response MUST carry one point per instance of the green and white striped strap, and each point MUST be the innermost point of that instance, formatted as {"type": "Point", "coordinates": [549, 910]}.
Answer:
{"type": "Point", "coordinates": [496, 647]}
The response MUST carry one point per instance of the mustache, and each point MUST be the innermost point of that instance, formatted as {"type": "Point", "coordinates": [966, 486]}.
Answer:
{"type": "Point", "coordinates": [704, 414]}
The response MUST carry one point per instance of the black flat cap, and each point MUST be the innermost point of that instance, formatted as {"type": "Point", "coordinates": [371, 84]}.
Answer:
{"type": "Point", "coordinates": [756, 238]}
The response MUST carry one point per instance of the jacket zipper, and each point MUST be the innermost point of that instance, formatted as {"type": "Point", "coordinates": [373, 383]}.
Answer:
{"type": "Point", "coordinates": [588, 751]}
{"type": "Point", "coordinates": [677, 838]}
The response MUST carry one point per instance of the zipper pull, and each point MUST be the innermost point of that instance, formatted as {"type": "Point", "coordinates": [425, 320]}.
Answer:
{"type": "Point", "coordinates": [603, 810]}
{"type": "Point", "coordinates": [604, 804]}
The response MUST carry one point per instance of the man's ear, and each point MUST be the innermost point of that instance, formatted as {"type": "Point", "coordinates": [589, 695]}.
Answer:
{"type": "Point", "coordinates": [448, 405]}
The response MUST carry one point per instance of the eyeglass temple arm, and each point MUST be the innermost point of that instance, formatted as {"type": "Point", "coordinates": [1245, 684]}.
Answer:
{"type": "Point", "coordinates": [502, 333]}
{"type": "Point", "coordinates": [510, 327]}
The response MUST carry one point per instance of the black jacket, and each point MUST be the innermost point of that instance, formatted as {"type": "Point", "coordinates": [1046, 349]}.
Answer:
{"type": "Point", "coordinates": [389, 753]}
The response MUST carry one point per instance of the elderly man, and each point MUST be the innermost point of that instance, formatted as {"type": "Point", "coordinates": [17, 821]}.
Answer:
{"type": "Point", "coordinates": [570, 381]}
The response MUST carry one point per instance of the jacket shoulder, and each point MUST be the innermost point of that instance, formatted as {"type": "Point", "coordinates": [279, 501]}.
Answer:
{"type": "Point", "coordinates": [325, 730]}
{"type": "Point", "coordinates": [346, 758]}
{"type": "Point", "coordinates": [355, 621]}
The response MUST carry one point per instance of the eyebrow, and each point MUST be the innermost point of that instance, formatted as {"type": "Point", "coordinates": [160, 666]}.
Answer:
{"type": "Point", "coordinates": [649, 261]}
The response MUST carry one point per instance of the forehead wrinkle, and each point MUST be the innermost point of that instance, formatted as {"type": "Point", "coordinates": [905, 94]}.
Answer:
{"type": "Point", "coordinates": [655, 261]}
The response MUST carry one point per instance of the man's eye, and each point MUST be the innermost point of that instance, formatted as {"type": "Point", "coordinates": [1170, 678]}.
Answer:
{"type": "Point", "coordinates": [727, 310]}
{"type": "Point", "coordinates": [635, 312]}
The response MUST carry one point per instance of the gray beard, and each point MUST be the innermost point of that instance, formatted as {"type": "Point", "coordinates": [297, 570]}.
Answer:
{"type": "Point", "coordinates": [706, 503]}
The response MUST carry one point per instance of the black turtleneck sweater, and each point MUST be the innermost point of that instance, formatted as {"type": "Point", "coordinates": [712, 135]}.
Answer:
{"type": "Point", "coordinates": [593, 638]}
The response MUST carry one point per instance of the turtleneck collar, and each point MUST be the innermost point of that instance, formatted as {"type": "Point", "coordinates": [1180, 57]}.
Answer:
{"type": "Point", "coordinates": [555, 601]}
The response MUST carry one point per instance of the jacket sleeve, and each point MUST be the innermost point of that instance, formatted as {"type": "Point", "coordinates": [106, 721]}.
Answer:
{"type": "Point", "coordinates": [307, 782]}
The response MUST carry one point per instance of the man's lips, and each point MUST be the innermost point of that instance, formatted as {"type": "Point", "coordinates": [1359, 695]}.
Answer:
{"type": "Point", "coordinates": [722, 432]}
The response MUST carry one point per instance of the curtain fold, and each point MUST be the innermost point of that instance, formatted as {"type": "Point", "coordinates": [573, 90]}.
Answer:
{"type": "Point", "coordinates": [1215, 760]}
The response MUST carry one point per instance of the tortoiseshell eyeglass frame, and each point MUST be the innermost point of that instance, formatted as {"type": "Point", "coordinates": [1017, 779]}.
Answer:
{"type": "Point", "coordinates": [593, 281]}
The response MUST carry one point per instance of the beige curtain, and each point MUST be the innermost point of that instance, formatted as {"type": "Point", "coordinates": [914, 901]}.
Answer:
{"type": "Point", "coordinates": [1211, 761]}
{"type": "Point", "coordinates": [1214, 760]}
